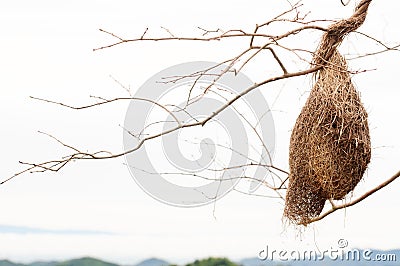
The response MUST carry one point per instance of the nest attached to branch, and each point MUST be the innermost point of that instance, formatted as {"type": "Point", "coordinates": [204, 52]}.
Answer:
{"type": "Point", "coordinates": [330, 144]}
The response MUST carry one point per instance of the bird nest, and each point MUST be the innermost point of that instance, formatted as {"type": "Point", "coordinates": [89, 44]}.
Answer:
{"type": "Point", "coordinates": [330, 143]}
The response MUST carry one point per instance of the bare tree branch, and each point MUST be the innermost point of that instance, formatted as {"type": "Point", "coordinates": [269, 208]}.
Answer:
{"type": "Point", "coordinates": [260, 39]}
{"type": "Point", "coordinates": [225, 35]}
{"type": "Point", "coordinates": [366, 195]}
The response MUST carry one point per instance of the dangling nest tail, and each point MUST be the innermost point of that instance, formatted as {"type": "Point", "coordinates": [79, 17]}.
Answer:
{"type": "Point", "coordinates": [330, 144]}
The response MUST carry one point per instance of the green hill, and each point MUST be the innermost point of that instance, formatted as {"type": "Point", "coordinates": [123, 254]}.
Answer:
{"type": "Point", "coordinates": [213, 262]}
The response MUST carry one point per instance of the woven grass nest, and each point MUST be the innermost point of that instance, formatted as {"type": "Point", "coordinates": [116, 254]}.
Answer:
{"type": "Point", "coordinates": [330, 143]}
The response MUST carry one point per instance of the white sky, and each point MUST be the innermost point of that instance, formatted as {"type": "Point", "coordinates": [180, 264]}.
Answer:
{"type": "Point", "coordinates": [46, 51]}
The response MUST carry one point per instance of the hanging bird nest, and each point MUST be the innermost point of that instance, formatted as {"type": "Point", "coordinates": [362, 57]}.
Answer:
{"type": "Point", "coordinates": [330, 144]}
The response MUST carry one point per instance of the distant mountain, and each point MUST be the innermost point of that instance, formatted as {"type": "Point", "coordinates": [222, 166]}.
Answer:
{"type": "Point", "coordinates": [390, 258]}
{"type": "Point", "coordinates": [75, 262]}
{"type": "Point", "coordinates": [9, 263]}
{"type": "Point", "coordinates": [87, 261]}
{"type": "Point", "coordinates": [44, 263]}
{"type": "Point", "coordinates": [152, 262]}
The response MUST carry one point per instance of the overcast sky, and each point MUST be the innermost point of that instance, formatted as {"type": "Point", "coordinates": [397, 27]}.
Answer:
{"type": "Point", "coordinates": [95, 208]}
